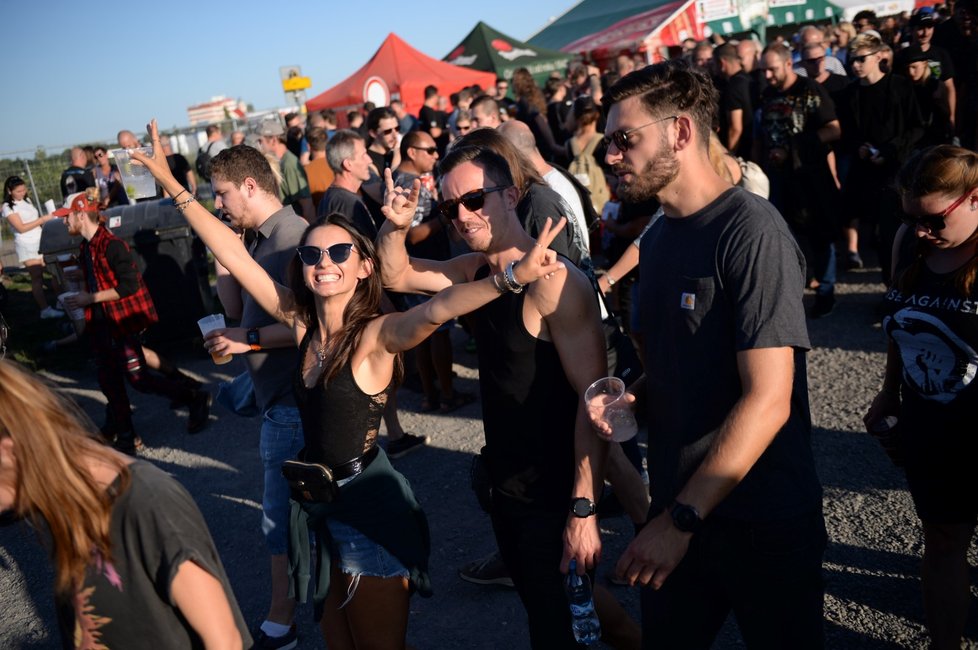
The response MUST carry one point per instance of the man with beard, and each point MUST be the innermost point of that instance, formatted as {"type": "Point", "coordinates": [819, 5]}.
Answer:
{"type": "Point", "coordinates": [736, 520]}
{"type": "Point", "coordinates": [539, 350]}
{"type": "Point", "coordinates": [797, 124]}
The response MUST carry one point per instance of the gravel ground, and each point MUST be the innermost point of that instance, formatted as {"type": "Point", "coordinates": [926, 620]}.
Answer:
{"type": "Point", "coordinates": [871, 565]}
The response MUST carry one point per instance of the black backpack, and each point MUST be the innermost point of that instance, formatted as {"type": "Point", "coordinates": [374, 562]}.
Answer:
{"type": "Point", "coordinates": [203, 162]}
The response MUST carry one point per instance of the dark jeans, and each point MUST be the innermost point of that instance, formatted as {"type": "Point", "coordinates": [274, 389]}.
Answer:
{"type": "Point", "coordinates": [119, 359]}
{"type": "Point", "coordinates": [530, 540]}
{"type": "Point", "coordinates": [769, 575]}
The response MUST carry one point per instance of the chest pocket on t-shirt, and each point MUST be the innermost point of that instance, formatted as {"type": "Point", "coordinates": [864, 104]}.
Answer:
{"type": "Point", "coordinates": [694, 300]}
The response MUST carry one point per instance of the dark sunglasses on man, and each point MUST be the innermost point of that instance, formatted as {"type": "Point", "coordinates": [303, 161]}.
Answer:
{"type": "Point", "coordinates": [472, 201]}
{"type": "Point", "coordinates": [621, 136]}
{"type": "Point", "coordinates": [337, 253]}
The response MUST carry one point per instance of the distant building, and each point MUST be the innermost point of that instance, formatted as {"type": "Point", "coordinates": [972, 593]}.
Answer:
{"type": "Point", "coordinates": [217, 109]}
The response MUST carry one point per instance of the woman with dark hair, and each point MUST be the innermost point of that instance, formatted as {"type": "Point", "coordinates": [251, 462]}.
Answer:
{"type": "Point", "coordinates": [531, 108]}
{"type": "Point", "coordinates": [109, 181]}
{"type": "Point", "coordinates": [373, 536]}
{"type": "Point", "coordinates": [26, 223]}
{"type": "Point", "coordinates": [929, 390]}
{"type": "Point", "coordinates": [135, 566]}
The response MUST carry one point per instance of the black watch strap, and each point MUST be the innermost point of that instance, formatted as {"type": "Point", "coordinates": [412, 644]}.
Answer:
{"type": "Point", "coordinates": [253, 337]}
{"type": "Point", "coordinates": [582, 507]}
{"type": "Point", "coordinates": [685, 518]}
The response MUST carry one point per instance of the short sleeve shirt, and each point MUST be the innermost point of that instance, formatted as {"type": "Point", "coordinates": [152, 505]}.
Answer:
{"type": "Point", "coordinates": [126, 601]}
{"type": "Point", "coordinates": [803, 108]}
{"type": "Point", "coordinates": [726, 279]}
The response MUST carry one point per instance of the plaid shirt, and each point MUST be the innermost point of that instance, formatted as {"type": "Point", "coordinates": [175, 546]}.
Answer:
{"type": "Point", "coordinates": [130, 314]}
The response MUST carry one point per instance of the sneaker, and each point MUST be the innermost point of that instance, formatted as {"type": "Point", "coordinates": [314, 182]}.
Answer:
{"type": "Point", "coordinates": [200, 409]}
{"type": "Point", "coordinates": [824, 304]}
{"type": "Point", "coordinates": [51, 312]}
{"type": "Point", "coordinates": [490, 570]}
{"type": "Point", "coordinates": [405, 445]}
{"type": "Point", "coordinates": [853, 261]}
{"type": "Point", "coordinates": [285, 642]}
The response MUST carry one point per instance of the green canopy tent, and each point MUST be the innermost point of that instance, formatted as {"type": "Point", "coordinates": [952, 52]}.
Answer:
{"type": "Point", "coordinates": [735, 16]}
{"type": "Point", "coordinates": [589, 17]}
{"type": "Point", "coordinates": [489, 50]}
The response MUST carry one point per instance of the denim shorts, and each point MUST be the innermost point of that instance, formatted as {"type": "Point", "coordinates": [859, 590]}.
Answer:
{"type": "Point", "coordinates": [281, 440]}
{"type": "Point", "coordinates": [358, 555]}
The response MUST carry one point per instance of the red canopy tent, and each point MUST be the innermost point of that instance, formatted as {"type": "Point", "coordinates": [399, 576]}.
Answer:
{"type": "Point", "coordinates": [397, 70]}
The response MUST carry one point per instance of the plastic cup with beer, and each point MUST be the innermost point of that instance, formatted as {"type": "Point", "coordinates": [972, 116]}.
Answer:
{"type": "Point", "coordinates": [208, 324]}
{"type": "Point", "coordinates": [605, 401]}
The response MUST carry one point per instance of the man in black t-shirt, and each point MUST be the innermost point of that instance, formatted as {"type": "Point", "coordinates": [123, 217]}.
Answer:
{"type": "Point", "coordinates": [347, 156]}
{"type": "Point", "coordinates": [736, 518]}
{"type": "Point", "coordinates": [179, 166]}
{"type": "Point", "coordinates": [76, 178]}
{"type": "Point", "coordinates": [736, 111]}
{"type": "Point", "coordinates": [922, 24]}
{"type": "Point", "coordinates": [798, 121]}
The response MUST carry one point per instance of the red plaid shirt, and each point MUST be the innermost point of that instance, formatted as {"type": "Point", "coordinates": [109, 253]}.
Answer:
{"type": "Point", "coordinates": [131, 314]}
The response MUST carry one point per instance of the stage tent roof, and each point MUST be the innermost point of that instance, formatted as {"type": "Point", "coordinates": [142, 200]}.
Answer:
{"type": "Point", "coordinates": [487, 49]}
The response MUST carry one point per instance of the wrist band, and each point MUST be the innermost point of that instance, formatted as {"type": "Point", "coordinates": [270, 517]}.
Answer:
{"type": "Point", "coordinates": [183, 206]}
{"type": "Point", "coordinates": [500, 283]}
{"type": "Point", "coordinates": [183, 191]}
{"type": "Point", "coordinates": [514, 286]}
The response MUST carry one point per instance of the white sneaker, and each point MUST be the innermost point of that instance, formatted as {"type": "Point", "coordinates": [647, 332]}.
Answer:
{"type": "Point", "coordinates": [51, 312]}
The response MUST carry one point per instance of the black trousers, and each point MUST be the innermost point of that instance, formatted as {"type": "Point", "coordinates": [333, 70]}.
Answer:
{"type": "Point", "coordinates": [769, 575]}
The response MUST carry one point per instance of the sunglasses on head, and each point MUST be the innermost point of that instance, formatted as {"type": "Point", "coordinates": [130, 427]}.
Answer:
{"type": "Point", "coordinates": [862, 57]}
{"type": "Point", "coordinates": [472, 201]}
{"type": "Point", "coordinates": [431, 151]}
{"type": "Point", "coordinates": [934, 222]}
{"type": "Point", "coordinates": [620, 137]}
{"type": "Point", "coordinates": [337, 253]}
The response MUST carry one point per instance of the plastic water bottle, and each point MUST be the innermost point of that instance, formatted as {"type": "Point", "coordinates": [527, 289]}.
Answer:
{"type": "Point", "coordinates": [584, 620]}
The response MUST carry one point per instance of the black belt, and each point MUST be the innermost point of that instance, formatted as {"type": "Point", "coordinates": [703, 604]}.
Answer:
{"type": "Point", "coordinates": [355, 466]}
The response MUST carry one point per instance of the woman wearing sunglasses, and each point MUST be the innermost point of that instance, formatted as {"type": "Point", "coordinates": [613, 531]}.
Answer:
{"type": "Point", "coordinates": [881, 125]}
{"type": "Point", "coordinates": [109, 181]}
{"type": "Point", "coordinates": [373, 536]}
{"type": "Point", "coordinates": [930, 390]}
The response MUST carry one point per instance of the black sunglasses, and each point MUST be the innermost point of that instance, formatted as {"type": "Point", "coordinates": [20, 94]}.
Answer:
{"type": "Point", "coordinates": [934, 222]}
{"type": "Point", "coordinates": [472, 201]}
{"type": "Point", "coordinates": [337, 253]}
{"type": "Point", "coordinates": [862, 57]}
{"type": "Point", "coordinates": [431, 151]}
{"type": "Point", "coordinates": [388, 131]}
{"type": "Point", "coordinates": [620, 137]}
{"type": "Point", "coordinates": [813, 61]}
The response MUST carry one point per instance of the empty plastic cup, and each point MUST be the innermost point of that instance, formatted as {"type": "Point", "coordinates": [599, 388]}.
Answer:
{"type": "Point", "coordinates": [605, 403]}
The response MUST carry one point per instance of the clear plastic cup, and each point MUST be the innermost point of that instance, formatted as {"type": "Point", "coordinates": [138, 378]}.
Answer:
{"type": "Point", "coordinates": [137, 180]}
{"type": "Point", "coordinates": [605, 402]}
{"type": "Point", "coordinates": [210, 323]}
{"type": "Point", "coordinates": [77, 314]}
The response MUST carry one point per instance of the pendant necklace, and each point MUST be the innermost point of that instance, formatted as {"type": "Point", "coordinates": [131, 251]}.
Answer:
{"type": "Point", "coordinates": [321, 353]}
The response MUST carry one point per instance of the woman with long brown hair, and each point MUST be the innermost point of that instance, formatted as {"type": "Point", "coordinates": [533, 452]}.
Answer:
{"type": "Point", "coordinates": [373, 536]}
{"type": "Point", "coordinates": [135, 566]}
{"type": "Point", "coordinates": [929, 390]}
{"type": "Point", "coordinates": [531, 108]}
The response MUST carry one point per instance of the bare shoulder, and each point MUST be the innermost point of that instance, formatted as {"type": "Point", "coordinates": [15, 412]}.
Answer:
{"type": "Point", "coordinates": [568, 292]}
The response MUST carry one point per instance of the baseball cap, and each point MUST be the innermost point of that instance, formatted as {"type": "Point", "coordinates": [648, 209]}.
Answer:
{"type": "Point", "coordinates": [913, 54]}
{"type": "Point", "coordinates": [271, 128]}
{"type": "Point", "coordinates": [923, 17]}
{"type": "Point", "coordinates": [77, 202]}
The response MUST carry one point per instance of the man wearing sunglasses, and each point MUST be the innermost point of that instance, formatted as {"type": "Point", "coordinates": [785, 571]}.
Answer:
{"type": "Point", "coordinates": [382, 125]}
{"type": "Point", "coordinates": [539, 350]}
{"type": "Point", "coordinates": [245, 191]}
{"type": "Point", "coordinates": [736, 520]}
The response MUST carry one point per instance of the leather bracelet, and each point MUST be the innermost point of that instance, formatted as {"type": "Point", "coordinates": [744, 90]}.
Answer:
{"type": "Point", "coordinates": [514, 286]}
{"type": "Point", "coordinates": [183, 191]}
{"type": "Point", "coordinates": [499, 282]}
{"type": "Point", "coordinates": [183, 206]}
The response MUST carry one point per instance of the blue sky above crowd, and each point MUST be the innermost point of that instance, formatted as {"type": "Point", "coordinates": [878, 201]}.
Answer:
{"type": "Point", "coordinates": [78, 73]}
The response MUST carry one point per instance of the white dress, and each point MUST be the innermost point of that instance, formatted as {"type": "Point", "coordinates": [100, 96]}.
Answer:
{"type": "Point", "coordinates": [27, 244]}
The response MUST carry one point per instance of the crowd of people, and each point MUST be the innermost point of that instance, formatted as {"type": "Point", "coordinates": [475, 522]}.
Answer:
{"type": "Point", "coordinates": [692, 201]}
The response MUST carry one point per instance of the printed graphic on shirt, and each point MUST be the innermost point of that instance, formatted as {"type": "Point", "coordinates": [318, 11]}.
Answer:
{"type": "Point", "coordinates": [937, 364]}
{"type": "Point", "coordinates": [88, 622]}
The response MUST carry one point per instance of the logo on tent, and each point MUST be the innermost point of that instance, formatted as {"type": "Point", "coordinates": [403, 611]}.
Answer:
{"type": "Point", "coordinates": [375, 90]}
{"type": "Point", "coordinates": [508, 52]}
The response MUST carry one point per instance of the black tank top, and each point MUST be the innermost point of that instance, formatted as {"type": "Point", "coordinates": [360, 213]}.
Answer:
{"type": "Point", "coordinates": [529, 407]}
{"type": "Point", "coordinates": [339, 421]}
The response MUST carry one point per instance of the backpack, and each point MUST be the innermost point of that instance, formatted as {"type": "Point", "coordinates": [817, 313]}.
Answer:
{"type": "Point", "coordinates": [586, 169]}
{"type": "Point", "coordinates": [203, 162]}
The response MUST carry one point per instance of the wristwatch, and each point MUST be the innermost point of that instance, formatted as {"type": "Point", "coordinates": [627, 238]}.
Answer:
{"type": "Point", "coordinates": [582, 507]}
{"type": "Point", "coordinates": [611, 280]}
{"type": "Point", "coordinates": [685, 518]}
{"type": "Point", "coordinates": [254, 339]}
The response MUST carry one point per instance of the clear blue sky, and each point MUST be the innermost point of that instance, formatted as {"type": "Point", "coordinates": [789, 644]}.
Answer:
{"type": "Point", "coordinates": [80, 72]}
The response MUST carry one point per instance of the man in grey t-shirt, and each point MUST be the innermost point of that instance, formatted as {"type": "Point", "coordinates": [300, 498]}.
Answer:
{"type": "Point", "coordinates": [246, 192]}
{"type": "Point", "coordinates": [736, 521]}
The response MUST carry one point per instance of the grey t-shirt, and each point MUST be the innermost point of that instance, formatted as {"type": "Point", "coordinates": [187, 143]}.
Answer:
{"type": "Point", "coordinates": [125, 601]}
{"type": "Point", "coordinates": [725, 279]}
{"type": "Point", "coordinates": [273, 369]}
